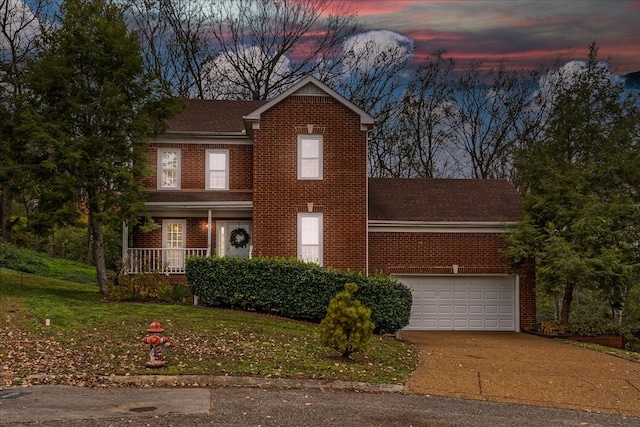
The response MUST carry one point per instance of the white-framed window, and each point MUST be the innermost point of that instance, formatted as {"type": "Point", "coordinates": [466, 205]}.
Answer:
{"type": "Point", "coordinates": [169, 168]}
{"type": "Point", "coordinates": [310, 237]}
{"type": "Point", "coordinates": [217, 170]}
{"type": "Point", "coordinates": [309, 156]}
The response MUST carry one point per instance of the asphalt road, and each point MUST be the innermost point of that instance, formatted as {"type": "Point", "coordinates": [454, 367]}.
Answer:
{"type": "Point", "coordinates": [253, 406]}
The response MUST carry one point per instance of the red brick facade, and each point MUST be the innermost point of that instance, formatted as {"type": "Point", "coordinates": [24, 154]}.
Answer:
{"type": "Point", "coordinates": [340, 195]}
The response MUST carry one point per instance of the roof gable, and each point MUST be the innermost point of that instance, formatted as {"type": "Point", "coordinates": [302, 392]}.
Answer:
{"type": "Point", "coordinates": [310, 86]}
{"type": "Point", "coordinates": [443, 200]}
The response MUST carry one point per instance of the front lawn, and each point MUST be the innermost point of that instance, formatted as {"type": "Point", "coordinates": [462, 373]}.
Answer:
{"type": "Point", "coordinates": [89, 339]}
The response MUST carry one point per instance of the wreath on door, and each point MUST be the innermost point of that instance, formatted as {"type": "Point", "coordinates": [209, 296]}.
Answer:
{"type": "Point", "coordinates": [239, 238]}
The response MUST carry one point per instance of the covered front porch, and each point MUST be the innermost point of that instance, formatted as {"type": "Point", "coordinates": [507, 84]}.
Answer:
{"type": "Point", "coordinates": [176, 234]}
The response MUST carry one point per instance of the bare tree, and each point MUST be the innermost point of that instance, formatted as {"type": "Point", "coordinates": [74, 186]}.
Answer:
{"type": "Point", "coordinates": [423, 124]}
{"type": "Point", "coordinates": [488, 106]}
{"type": "Point", "coordinates": [372, 76]}
{"type": "Point", "coordinates": [21, 26]}
{"type": "Point", "coordinates": [265, 46]}
{"type": "Point", "coordinates": [175, 41]}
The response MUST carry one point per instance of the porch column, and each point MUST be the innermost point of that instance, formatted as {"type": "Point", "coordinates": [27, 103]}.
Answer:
{"type": "Point", "coordinates": [209, 234]}
{"type": "Point", "coordinates": [125, 240]}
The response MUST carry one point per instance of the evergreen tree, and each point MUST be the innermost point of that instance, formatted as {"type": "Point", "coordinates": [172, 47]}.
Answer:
{"type": "Point", "coordinates": [579, 182]}
{"type": "Point", "coordinates": [346, 327]}
{"type": "Point", "coordinates": [93, 112]}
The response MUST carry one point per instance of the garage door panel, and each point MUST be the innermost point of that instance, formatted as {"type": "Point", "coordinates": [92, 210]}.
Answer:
{"type": "Point", "coordinates": [491, 295]}
{"type": "Point", "coordinates": [490, 324]}
{"type": "Point", "coordinates": [445, 309]}
{"type": "Point", "coordinates": [445, 295]}
{"type": "Point", "coordinates": [460, 324]}
{"type": "Point", "coordinates": [462, 303]}
{"type": "Point", "coordinates": [461, 309]}
{"type": "Point", "coordinates": [506, 324]}
{"type": "Point", "coordinates": [476, 309]}
{"type": "Point", "coordinates": [490, 309]}
{"type": "Point", "coordinates": [476, 295]}
{"type": "Point", "coordinates": [476, 324]}
{"type": "Point", "coordinates": [427, 309]}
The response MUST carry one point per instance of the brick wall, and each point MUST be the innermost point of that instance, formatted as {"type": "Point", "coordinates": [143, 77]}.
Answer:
{"type": "Point", "coordinates": [436, 253]}
{"type": "Point", "coordinates": [341, 195]}
{"type": "Point", "coordinates": [479, 252]}
{"type": "Point", "coordinates": [193, 165]}
{"type": "Point", "coordinates": [528, 318]}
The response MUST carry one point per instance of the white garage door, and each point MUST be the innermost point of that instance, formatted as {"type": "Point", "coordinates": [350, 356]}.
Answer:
{"type": "Point", "coordinates": [462, 303]}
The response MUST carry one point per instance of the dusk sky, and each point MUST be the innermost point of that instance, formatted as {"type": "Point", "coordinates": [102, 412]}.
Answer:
{"type": "Point", "coordinates": [522, 34]}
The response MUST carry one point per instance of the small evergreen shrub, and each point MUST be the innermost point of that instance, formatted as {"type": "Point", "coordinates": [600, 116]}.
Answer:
{"type": "Point", "coordinates": [346, 328]}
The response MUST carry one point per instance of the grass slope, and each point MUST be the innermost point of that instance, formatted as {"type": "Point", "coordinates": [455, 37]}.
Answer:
{"type": "Point", "coordinates": [89, 339]}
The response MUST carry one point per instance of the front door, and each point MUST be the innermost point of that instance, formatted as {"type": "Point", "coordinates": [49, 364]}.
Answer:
{"type": "Point", "coordinates": [173, 236]}
{"type": "Point", "coordinates": [234, 238]}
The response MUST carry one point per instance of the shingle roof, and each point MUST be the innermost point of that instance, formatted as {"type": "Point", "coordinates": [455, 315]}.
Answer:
{"type": "Point", "coordinates": [458, 200]}
{"type": "Point", "coordinates": [199, 196]}
{"type": "Point", "coordinates": [215, 116]}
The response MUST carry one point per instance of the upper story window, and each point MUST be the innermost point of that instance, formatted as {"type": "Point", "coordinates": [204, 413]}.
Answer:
{"type": "Point", "coordinates": [217, 170]}
{"type": "Point", "coordinates": [310, 237]}
{"type": "Point", "coordinates": [309, 156]}
{"type": "Point", "coordinates": [169, 168]}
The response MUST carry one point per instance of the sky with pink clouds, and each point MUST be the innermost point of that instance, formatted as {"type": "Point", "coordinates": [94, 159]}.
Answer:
{"type": "Point", "coordinates": [521, 34]}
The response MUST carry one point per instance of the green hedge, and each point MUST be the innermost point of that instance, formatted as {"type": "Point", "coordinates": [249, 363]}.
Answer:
{"type": "Point", "coordinates": [294, 289]}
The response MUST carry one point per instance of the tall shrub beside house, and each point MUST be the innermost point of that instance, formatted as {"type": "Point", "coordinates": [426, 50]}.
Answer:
{"type": "Point", "coordinates": [346, 328]}
{"type": "Point", "coordinates": [294, 289]}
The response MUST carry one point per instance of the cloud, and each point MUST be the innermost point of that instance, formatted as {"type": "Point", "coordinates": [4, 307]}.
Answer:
{"type": "Point", "coordinates": [567, 75]}
{"type": "Point", "coordinates": [366, 50]}
{"type": "Point", "coordinates": [20, 25]}
{"type": "Point", "coordinates": [523, 34]}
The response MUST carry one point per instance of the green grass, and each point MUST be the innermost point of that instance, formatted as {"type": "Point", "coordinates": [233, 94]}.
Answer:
{"type": "Point", "coordinates": [90, 338]}
{"type": "Point", "coordinates": [621, 353]}
{"type": "Point", "coordinates": [28, 261]}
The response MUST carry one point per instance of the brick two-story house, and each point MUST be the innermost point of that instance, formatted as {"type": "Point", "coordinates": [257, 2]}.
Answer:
{"type": "Point", "coordinates": [288, 178]}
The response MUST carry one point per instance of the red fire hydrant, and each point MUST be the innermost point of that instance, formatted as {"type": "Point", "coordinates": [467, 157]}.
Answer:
{"type": "Point", "coordinates": [156, 341]}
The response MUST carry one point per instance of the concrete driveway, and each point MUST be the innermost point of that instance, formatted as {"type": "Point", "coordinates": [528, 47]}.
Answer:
{"type": "Point", "coordinates": [522, 368]}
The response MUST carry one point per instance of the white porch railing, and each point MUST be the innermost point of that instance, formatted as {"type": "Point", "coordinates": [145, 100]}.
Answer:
{"type": "Point", "coordinates": [145, 260]}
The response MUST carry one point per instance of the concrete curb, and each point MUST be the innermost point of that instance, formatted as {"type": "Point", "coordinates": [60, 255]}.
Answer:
{"type": "Point", "coordinates": [238, 381]}
{"type": "Point", "coordinates": [235, 381]}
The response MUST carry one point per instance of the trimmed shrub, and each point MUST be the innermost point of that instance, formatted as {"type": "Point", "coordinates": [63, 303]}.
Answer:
{"type": "Point", "coordinates": [141, 287]}
{"type": "Point", "coordinates": [556, 328]}
{"type": "Point", "coordinates": [294, 289]}
{"type": "Point", "coordinates": [346, 328]}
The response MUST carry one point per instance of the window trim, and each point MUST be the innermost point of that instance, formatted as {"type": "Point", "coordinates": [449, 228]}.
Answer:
{"type": "Point", "coordinates": [320, 217]}
{"type": "Point", "coordinates": [207, 178]}
{"type": "Point", "coordinates": [166, 250]}
{"type": "Point", "coordinates": [320, 141]}
{"type": "Point", "coordinates": [160, 170]}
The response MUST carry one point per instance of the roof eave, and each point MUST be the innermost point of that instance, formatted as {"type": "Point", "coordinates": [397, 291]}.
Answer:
{"type": "Point", "coordinates": [241, 134]}
{"type": "Point", "coordinates": [201, 205]}
{"type": "Point", "coordinates": [388, 226]}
